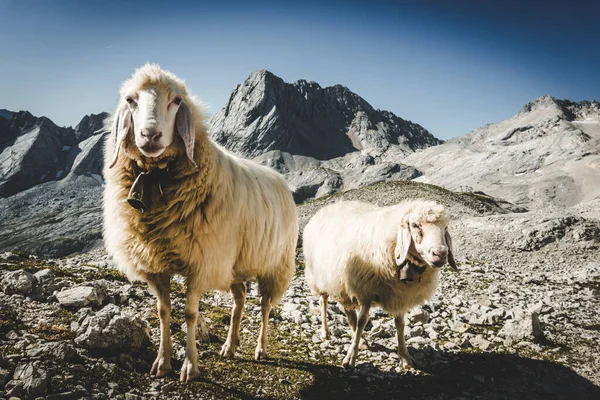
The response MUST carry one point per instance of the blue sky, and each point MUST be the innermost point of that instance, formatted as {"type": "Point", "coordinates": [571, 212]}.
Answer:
{"type": "Point", "coordinates": [450, 66]}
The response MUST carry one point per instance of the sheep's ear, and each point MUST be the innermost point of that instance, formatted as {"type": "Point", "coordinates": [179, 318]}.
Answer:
{"type": "Point", "coordinates": [402, 245]}
{"type": "Point", "coordinates": [120, 128]}
{"type": "Point", "coordinates": [185, 126]}
{"type": "Point", "coordinates": [451, 260]}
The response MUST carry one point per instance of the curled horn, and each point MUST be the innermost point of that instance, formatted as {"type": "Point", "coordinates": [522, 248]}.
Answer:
{"type": "Point", "coordinates": [451, 260]}
{"type": "Point", "coordinates": [184, 122]}
{"type": "Point", "coordinates": [120, 128]}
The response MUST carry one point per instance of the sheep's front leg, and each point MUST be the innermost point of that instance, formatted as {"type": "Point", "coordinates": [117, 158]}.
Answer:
{"type": "Point", "coordinates": [189, 369]}
{"type": "Point", "coordinates": [160, 285]}
{"type": "Point", "coordinates": [238, 290]}
{"type": "Point", "coordinates": [363, 318]}
{"type": "Point", "coordinates": [402, 350]}
{"type": "Point", "coordinates": [324, 327]}
{"type": "Point", "coordinates": [261, 346]}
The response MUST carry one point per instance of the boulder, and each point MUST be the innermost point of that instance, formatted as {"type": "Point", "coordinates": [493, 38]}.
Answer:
{"type": "Point", "coordinates": [44, 276]}
{"type": "Point", "coordinates": [32, 379]}
{"type": "Point", "coordinates": [81, 296]}
{"type": "Point", "coordinates": [18, 282]}
{"type": "Point", "coordinates": [524, 327]}
{"type": "Point", "coordinates": [114, 331]}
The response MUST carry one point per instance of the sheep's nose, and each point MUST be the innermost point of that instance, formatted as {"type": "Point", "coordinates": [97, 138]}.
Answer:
{"type": "Point", "coordinates": [440, 252]}
{"type": "Point", "coordinates": [152, 134]}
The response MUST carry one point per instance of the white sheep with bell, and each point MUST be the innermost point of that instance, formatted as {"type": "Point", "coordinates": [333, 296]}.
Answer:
{"type": "Point", "coordinates": [363, 255]}
{"type": "Point", "coordinates": [177, 203]}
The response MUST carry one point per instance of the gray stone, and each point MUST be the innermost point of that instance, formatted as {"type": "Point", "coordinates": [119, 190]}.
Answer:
{"type": "Point", "coordinates": [44, 277]}
{"type": "Point", "coordinates": [81, 296]}
{"type": "Point", "coordinates": [202, 331]}
{"type": "Point", "coordinates": [484, 301]}
{"type": "Point", "coordinates": [458, 326]}
{"type": "Point", "coordinates": [9, 256]}
{"type": "Point", "coordinates": [62, 351]}
{"type": "Point", "coordinates": [77, 393]}
{"type": "Point", "coordinates": [416, 331]}
{"type": "Point", "coordinates": [418, 315]}
{"type": "Point", "coordinates": [493, 316]}
{"type": "Point", "coordinates": [12, 335]}
{"type": "Point", "coordinates": [18, 282]}
{"type": "Point", "coordinates": [480, 342]}
{"type": "Point", "coordinates": [525, 327]}
{"type": "Point", "coordinates": [382, 329]}
{"type": "Point", "coordinates": [114, 331]}
{"type": "Point", "coordinates": [33, 378]}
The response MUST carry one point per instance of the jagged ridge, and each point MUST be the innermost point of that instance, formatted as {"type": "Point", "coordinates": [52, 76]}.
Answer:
{"type": "Point", "coordinates": [302, 118]}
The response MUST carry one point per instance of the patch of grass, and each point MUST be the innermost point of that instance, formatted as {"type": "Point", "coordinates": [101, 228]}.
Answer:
{"type": "Point", "coordinates": [33, 266]}
{"type": "Point", "coordinates": [177, 289]}
{"type": "Point", "coordinates": [52, 332]}
{"type": "Point", "coordinates": [64, 316]}
{"type": "Point", "coordinates": [96, 273]}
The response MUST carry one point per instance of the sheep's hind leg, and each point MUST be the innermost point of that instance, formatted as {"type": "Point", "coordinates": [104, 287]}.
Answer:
{"type": "Point", "coordinates": [265, 309]}
{"type": "Point", "coordinates": [363, 318]}
{"type": "Point", "coordinates": [189, 369]}
{"type": "Point", "coordinates": [160, 285]}
{"type": "Point", "coordinates": [238, 290]}
{"type": "Point", "coordinates": [324, 327]}
{"type": "Point", "coordinates": [352, 320]}
{"type": "Point", "coordinates": [402, 350]}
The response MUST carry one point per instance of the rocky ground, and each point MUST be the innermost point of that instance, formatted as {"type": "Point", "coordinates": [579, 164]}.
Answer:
{"type": "Point", "coordinates": [518, 320]}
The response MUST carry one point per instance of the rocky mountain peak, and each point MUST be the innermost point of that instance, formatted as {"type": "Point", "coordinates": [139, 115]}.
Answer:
{"type": "Point", "coordinates": [548, 153]}
{"type": "Point", "coordinates": [6, 114]}
{"type": "Point", "coordinates": [34, 150]}
{"type": "Point", "coordinates": [565, 109]}
{"type": "Point", "coordinates": [265, 113]}
{"type": "Point", "coordinates": [542, 102]}
{"type": "Point", "coordinates": [90, 125]}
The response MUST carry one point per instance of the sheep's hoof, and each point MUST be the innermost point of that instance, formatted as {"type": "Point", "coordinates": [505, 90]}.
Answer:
{"type": "Point", "coordinates": [260, 354]}
{"type": "Point", "coordinates": [349, 361]}
{"type": "Point", "coordinates": [160, 368]}
{"type": "Point", "coordinates": [227, 350]}
{"type": "Point", "coordinates": [407, 361]}
{"type": "Point", "coordinates": [189, 371]}
{"type": "Point", "coordinates": [363, 345]}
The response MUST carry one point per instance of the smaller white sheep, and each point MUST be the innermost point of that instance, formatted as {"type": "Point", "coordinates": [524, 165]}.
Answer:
{"type": "Point", "coordinates": [364, 255]}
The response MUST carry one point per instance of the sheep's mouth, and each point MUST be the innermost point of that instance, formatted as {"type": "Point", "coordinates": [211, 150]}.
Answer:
{"type": "Point", "coordinates": [151, 150]}
{"type": "Point", "coordinates": [436, 261]}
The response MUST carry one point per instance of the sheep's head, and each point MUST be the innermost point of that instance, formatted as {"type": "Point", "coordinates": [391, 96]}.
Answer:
{"type": "Point", "coordinates": [423, 233]}
{"type": "Point", "coordinates": [152, 110]}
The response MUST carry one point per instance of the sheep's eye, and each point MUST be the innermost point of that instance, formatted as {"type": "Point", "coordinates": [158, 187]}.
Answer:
{"type": "Point", "coordinates": [130, 100]}
{"type": "Point", "coordinates": [177, 100]}
{"type": "Point", "coordinates": [414, 225]}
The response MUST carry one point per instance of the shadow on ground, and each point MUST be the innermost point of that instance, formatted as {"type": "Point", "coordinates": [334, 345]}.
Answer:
{"type": "Point", "coordinates": [485, 376]}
